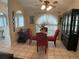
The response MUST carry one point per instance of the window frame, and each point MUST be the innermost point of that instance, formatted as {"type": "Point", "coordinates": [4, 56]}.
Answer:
{"type": "Point", "coordinates": [4, 20]}
{"type": "Point", "coordinates": [17, 20]}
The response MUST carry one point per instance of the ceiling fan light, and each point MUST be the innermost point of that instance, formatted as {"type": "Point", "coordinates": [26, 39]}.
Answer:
{"type": "Point", "coordinates": [43, 7]}
{"type": "Point", "coordinates": [49, 8]}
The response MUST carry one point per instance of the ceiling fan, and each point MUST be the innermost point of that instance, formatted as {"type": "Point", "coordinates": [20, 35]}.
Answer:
{"type": "Point", "coordinates": [47, 5]}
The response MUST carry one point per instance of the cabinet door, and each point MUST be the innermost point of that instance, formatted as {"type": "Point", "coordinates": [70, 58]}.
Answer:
{"type": "Point", "coordinates": [76, 23]}
{"type": "Point", "coordinates": [73, 24]}
{"type": "Point", "coordinates": [65, 24]}
{"type": "Point", "coordinates": [69, 23]}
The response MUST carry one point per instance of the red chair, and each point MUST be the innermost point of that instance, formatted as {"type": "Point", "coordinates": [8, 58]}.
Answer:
{"type": "Point", "coordinates": [53, 38]}
{"type": "Point", "coordinates": [30, 35]}
{"type": "Point", "coordinates": [42, 40]}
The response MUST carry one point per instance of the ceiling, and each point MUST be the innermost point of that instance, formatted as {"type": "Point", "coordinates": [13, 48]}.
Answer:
{"type": "Point", "coordinates": [32, 7]}
{"type": "Point", "coordinates": [4, 6]}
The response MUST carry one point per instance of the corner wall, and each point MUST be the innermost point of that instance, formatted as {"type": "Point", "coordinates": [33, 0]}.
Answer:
{"type": "Point", "coordinates": [13, 5]}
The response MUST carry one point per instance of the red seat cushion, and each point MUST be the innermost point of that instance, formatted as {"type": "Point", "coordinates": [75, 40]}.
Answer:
{"type": "Point", "coordinates": [51, 38]}
{"type": "Point", "coordinates": [33, 38]}
{"type": "Point", "coordinates": [41, 39]}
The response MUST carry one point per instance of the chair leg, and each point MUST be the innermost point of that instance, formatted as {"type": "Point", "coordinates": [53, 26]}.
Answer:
{"type": "Point", "coordinates": [37, 47]}
{"type": "Point", "coordinates": [55, 43]}
{"type": "Point", "coordinates": [46, 47]}
{"type": "Point", "coordinates": [30, 41]}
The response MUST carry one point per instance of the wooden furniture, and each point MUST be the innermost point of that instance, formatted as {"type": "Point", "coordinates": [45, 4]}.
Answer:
{"type": "Point", "coordinates": [54, 38]}
{"type": "Point", "coordinates": [42, 41]}
{"type": "Point", "coordinates": [50, 38]}
{"type": "Point", "coordinates": [70, 29]}
{"type": "Point", "coordinates": [30, 35]}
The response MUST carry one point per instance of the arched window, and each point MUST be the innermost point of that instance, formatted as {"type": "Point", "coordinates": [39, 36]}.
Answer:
{"type": "Point", "coordinates": [3, 21]}
{"type": "Point", "coordinates": [19, 19]}
{"type": "Point", "coordinates": [50, 21]}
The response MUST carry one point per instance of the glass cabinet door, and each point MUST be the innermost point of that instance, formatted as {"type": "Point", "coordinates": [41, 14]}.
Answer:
{"type": "Point", "coordinates": [66, 21]}
{"type": "Point", "coordinates": [69, 23]}
{"type": "Point", "coordinates": [65, 24]}
{"type": "Point", "coordinates": [62, 24]}
{"type": "Point", "coordinates": [73, 24]}
{"type": "Point", "coordinates": [76, 23]}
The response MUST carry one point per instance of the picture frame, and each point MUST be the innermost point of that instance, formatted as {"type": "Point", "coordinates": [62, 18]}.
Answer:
{"type": "Point", "coordinates": [31, 19]}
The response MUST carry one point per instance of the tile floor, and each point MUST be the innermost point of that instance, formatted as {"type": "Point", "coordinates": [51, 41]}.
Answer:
{"type": "Point", "coordinates": [27, 51]}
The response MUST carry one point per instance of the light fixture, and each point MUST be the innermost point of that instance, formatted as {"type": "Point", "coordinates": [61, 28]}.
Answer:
{"type": "Point", "coordinates": [43, 7]}
{"type": "Point", "coordinates": [49, 8]}
{"type": "Point", "coordinates": [46, 6]}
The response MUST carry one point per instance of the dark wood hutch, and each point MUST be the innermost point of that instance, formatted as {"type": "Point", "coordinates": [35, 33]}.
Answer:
{"type": "Point", "coordinates": [70, 29]}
